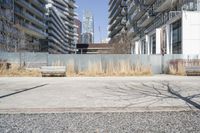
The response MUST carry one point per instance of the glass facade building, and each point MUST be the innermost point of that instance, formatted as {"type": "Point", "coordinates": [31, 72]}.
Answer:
{"type": "Point", "coordinates": [88, 27]}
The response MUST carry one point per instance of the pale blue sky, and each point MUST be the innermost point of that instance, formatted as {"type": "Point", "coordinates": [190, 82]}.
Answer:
{"type": "Point", "coordinates": [99, 8]}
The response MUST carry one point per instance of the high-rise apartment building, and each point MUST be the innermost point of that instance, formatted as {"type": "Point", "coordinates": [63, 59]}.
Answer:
{"type": "Point", "coordinates": [22, 20]}
{"type": "Point", "coordinates": [88, 26]}
{"type": "Point", "coordinates": [6, 26]}
{"type": "Point", "coordinates": [29, 18]}
{"type": "Point", "coordinates": [158, 26]}
{"type": "Point", "coordinates": [79, 29]}
{"type": "Point", "coordinates": [38, 25]}
{"type": "Point", "coordinates": [62, 34]}
{"type": "Point", "coordinates": [117, 17]}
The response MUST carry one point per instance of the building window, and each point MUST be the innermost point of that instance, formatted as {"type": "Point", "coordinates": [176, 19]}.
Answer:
{"type": "Point", "coordinates": [177, 37]}
{"type": "Point", "coordinates": [153, 44]}
{"type": "Point", "coordinates": [144, 47]}
{"type": "Point", "coordinates": [164, 42]}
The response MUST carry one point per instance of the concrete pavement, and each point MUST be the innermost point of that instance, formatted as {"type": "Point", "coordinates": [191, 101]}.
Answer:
{"type": "Point", "coordinates": [99, 94]}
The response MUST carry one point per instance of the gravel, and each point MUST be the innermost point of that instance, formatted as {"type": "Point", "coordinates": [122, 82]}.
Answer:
{"type": "Point", "coordinates": [126, 122]}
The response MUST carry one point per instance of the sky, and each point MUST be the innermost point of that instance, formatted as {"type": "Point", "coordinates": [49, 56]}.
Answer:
{"type": "Point", "coordinates": [99, 8]}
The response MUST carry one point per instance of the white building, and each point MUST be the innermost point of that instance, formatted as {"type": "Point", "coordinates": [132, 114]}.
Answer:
{"type": "Point", "coordinates": [164, 26]}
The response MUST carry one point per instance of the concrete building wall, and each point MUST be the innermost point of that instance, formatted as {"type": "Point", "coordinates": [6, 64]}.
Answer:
{"type": "Point", "coordinates": [191, 32]}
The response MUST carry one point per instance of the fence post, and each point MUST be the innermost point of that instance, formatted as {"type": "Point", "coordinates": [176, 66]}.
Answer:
{"type": "Point", "coordinates": [20, 59]}
{"type": "Point", "coordinates": [47, 59]}
{"type": "Point", "coordinates": [162, 63]}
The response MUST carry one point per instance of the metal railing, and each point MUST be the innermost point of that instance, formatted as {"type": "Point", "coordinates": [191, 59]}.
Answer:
{"type": "Point", "coordinates": [158, 3]}
{"type": "Point", "coordinates": [173, 14]}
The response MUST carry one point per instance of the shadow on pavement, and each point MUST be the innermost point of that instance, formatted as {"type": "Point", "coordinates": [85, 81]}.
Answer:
{"type": "Point", "coordinates": [141, 91]}
{"type": "Point", "coordinates": [28, 89]}
{"type": "Point", "coordinates": [186, 99]}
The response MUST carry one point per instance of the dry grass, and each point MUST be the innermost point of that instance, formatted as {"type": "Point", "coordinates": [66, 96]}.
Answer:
{"type": "Point", "coordinates": [121, 68]}
{"type": "Point", "coordinates": [96, 69]}
{"type": "Point", "coordinates": [16, 71]}
{"type": "Point", "coordinates": [177, 70]}
{"type": "Point", "coordinates": [70, 68]}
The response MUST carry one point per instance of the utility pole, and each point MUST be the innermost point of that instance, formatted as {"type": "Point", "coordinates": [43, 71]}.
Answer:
{"type": "Point", "coordinates": [100, 37]}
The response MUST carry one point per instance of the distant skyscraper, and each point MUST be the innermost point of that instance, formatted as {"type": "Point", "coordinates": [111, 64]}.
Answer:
{"type": "Point", "coordinates": [86, 38]}
{"type": "Point", "coordinates": [88, 25]}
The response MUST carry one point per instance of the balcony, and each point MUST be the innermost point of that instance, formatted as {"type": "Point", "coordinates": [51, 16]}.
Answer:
{"type": "Point", "coordinates": [114, 8]}
{"type": "Point", "coordinates": [37, 22]}
{"type": "Point", "coordinates": [133, 31]}
{"type": "Point", "coordinates": [29, 29]}
{"type": "Point", "coordinates": [162, 5]}
{"type": "Point", "coordinates": [30, 8]}
{"type": "Point", "coordinates": [32, 19]}
{"type": "Point", "coordinates": [44, 34]}
{"type": "Point", "coordinates": [39, 5]}
{"type": "Point", "coordinates": [116, 30]}
{"type": "Point", "coordinates": [115, 15]}
{"type": "Point", "coordinates": [115, 23]}
{"type": "Point", "coordinates": [72, 3]}
{"type": "Point", "coordinates": [157, 22]}
{"type": "Point", "coordinates": [72, 11]}
{"type": "Point", "coordinates": [149, 2]}
{"type": "Point", "coordinates": [132, 7]}
{"type": "Point", "coordinates": [145, 20]}
{"type": "Point", "coordinates": [137, 14]}
{"type": "Point", "coordinates": [112, 4]}
{"type": "Point", "coordinates": [174, 16]}
{"type": "Point", "coordinates": [57, 35]}
{"type": "Point", "coordinates": [56, 46]}
{"type": "Point", "coordinates": [123, 3]}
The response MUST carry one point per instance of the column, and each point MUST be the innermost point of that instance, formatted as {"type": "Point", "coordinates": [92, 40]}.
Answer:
{"type": "Point", "coordinates": [158, 37]}
{"type": "Point", "coordinates": [136, 47]}
{"type": "Point", "coordinates": [147, 44]}
{"type": "Point", "coordinates": [168, 38]}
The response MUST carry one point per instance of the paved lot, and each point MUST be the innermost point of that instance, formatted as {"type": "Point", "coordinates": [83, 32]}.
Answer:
{"type": "Point", "coordinates": [116, 94]}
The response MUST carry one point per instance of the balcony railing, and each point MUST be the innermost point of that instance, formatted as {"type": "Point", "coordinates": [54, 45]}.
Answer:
{"type": "Point", "coordinates": [40, 5]}
{"type": "Point", "coordinates": [137, 14]}
{"type": "Point", "coordinates": [31, 18]}
{"type": "Point", "coordinates": [148, 2]}
{"type": "Point", "coordinates": [30, 7]}
{"type": "Point", "coordinates": [161, 5]}
{"type": "Point", "coordinates": [35, 29]}
{"type": "Point", "coordinates": [173, 14]}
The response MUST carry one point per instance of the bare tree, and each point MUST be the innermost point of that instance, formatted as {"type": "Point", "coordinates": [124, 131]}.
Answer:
{"type": "Point", "coordinates": [11, 36]}
{"type": "Point", "coordinates": [121, 44]}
